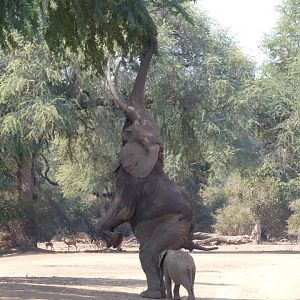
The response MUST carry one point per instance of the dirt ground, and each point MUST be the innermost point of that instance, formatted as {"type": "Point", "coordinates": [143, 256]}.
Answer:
{"type": "Point", "coordinates": [233, 272]}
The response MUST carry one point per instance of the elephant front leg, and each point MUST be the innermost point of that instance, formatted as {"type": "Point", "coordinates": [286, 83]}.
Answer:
{"type": "Point", "coordinates": [116, 216]}
{"type": "Point", "coordinates": [112, 239]}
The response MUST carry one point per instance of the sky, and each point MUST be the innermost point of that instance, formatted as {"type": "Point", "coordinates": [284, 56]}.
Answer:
{"type": "Point", "coordinates": [247, 21]}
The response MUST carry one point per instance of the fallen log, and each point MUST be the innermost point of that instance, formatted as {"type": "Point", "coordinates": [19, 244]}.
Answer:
{"type": "Point", "coordinates": [202, 235]}
{"type": "Point", "coordinates": [203, 238]}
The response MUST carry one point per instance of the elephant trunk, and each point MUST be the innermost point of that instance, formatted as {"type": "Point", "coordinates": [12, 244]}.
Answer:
{"type": "Point", "coordinates": [138, 91]}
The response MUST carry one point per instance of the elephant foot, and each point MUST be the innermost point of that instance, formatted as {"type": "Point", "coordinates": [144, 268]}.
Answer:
{"type": "Point", "coordinates": [153, 294]}
{"type": "Point", "coordinates": [111, 238]}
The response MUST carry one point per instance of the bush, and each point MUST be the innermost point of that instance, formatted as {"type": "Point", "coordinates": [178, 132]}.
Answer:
{"type": "Point", "coordinates": [294, 219]}
{"type": "Point", "coordinates": [269, 206]}
{"type": "Point", "coordinates": [234, 219]}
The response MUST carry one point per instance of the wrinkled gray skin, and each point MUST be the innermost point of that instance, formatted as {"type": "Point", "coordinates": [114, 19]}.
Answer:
{"type": "Point", "coordinates": [160, 213]}
{"type": "Point", "coordinates": [178, 266]}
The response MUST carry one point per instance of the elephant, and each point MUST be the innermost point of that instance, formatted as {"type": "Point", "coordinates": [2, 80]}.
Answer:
{"type": "Point", "coordinates": [178, 266]}
{"type": "Point", "coordinates": [160, 213]}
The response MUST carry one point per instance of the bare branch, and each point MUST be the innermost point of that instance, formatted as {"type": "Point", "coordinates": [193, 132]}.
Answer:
{"type": "Point", "coordinates": [119, 100]}
{"type": "Point", "coordinates": [104, 194]}
{"type": "Point", "coordinates": [46, 172]}
{"type": "Point", "coordinates": [93, 103]}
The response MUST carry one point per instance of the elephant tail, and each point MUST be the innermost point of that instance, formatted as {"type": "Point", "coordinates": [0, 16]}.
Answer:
{"type": "Point", "coordinates": [191, 246]}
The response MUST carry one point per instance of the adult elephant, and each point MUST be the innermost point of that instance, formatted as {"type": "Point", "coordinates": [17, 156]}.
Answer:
{"type": "Point", "coordinates": [160, 213]}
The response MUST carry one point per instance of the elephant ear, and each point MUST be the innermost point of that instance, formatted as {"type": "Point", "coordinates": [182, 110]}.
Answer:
{"type": "Point", "coordinates": [162, 257]}
{"type": "Point", "coordinates": [138, 159]}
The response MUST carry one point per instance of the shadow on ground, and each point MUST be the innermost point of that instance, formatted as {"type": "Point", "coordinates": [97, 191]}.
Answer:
{"type": "Point", "coordinates": [65, 288]}
{"type": "Point", "coordinates": [68, 288]}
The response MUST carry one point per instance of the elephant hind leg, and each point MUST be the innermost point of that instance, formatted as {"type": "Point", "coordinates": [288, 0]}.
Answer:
{"type": "Point", "coordinates": [176, 292]}
{"type": "Point", "coordinates": [168, 283]}
{"type": "Point", "coordinates": [169, 234]}
{"type": "Point", "coordinates": [156, 288]}
{"type": "Point", "coordinates": [190, 289]}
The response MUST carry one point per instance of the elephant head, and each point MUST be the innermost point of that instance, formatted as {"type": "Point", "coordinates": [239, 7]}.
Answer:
{"type": "Point", "coordinates": [142, 144]}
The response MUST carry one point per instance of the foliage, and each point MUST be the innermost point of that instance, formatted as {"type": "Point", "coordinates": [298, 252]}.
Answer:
{"type": "Point", "coordinates": [269, 206]}
{"type": "Point", "coordinates": [234, 219]}
{"type": "Point", "coordinates": [278, 109]}
{"type": "Point", "coordinates": [252, 199]}
{"type": "Point", "coordinates": [31, 112]}
{"type": "Point", "coordinates": [89, 26]}
{"type": "Point", "coordinates": [196, 82]}
{"type": "Point", "coordinates": [274, 98]}
{"type": "Point", "coordinates": [283, 45]}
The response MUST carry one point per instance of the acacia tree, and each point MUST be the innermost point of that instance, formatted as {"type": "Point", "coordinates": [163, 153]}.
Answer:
{"type": "Point", "coordinates": [29, 118]}
{"type": "Point", "coordinates": [90, 26]}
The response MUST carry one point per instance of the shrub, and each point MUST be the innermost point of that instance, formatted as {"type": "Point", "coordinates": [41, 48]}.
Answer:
{"type": "Point", "coordinates": [234, 219]}
{"type": "Point", "coordinates": [294, 219]}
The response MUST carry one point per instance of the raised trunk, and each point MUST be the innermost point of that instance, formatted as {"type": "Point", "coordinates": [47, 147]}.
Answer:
{"type": "Point", "coordinates": [138, 91]}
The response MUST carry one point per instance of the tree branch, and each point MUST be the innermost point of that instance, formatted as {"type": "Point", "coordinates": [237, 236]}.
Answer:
{"type": "Point", "coordinates": [45, 177]}
{"type": "Point", "coordinates": [92, 102]}
{"type": "Point", "coordinates": [105, 195]}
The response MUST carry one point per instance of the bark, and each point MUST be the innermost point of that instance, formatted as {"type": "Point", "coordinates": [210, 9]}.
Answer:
{"type": "Point", "coordinates": [26, 180]}
{"type": "Point", "coordinates": [27, 194]}
{"type": "Point", "coordinates": [101, 203]}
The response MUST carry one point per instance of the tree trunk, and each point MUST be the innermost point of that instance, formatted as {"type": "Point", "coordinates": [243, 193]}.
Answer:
{"type": "Point", "coordinates": [101, 202]}
{"type": "Point", "coordinates": [26, 180]}
{"type": "Point", "coordinates": [26, 231]}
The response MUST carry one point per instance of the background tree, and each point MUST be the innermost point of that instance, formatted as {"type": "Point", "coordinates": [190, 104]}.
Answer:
{"type": "Point", "coordinates": [273, 99]}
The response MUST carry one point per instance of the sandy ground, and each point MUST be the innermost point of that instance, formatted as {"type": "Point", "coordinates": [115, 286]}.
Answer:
{"type": "Point", "coordinates": [232, 272]}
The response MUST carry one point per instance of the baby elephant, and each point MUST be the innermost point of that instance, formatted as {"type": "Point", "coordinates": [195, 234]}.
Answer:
{"type": "Point", "coordinates": [178, 266]}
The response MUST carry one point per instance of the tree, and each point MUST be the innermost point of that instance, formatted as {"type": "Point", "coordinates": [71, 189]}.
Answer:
{"type": "Point", "coordinates": [33, 110]}
{"type": "Point", "coordinates": [278, 109]}
{"type": "Point", "coordinates": [294, 219]}
{"type": "Point", "coordinates": [93, 27]}
{"type": "Point", "coordinates": [273, 99]}
{"type": "Point", "coordinates": [278, 112]}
